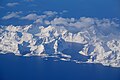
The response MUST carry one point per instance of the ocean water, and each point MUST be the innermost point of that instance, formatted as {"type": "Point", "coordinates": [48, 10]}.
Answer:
{"type": "Point", "coordinates": [34, 68]}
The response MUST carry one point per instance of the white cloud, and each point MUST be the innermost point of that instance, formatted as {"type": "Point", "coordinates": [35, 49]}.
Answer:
{"type": "Point", "coordinates": [38, 21]}
{"type": "Point", "coordinates": [11, 15]}
{"type": "Point", "coordinates": [36, 18]}
{"type": "Point", "coordinates": [82, 22]}
{"type": "Point", "coordinates": [39, 18]}
{"type": "Point", "coordinates": [104, 26]}
{"type": "Point", "coordinates": [50, 13]}
{"type": "Point", "coordinates": [60, 21]}
{"type": "Point", "coordinates": [72, 24]}
{"type": "Point", "coordinates": [12, 4]}
{"type": "Point", "coordinates": [31, 17]}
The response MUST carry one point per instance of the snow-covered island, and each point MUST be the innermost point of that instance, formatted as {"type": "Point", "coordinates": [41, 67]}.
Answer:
{"type": "Point", "coordinates": [85, 40]}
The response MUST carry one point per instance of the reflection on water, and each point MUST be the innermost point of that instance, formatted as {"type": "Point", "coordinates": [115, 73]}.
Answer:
{"type": "Point", "coordinates": [34, 68]}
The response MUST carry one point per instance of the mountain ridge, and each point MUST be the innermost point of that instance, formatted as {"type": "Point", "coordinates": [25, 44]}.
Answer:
{"type": "Point", "coordinates": [54, 41]}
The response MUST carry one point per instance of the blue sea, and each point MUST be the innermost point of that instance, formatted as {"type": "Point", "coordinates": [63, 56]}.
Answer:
{"type": "Point", "coordinates": [35, 68]}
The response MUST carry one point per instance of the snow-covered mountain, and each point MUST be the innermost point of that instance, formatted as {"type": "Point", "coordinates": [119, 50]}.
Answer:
{"type": "Point", "coordinates": [92, 43]}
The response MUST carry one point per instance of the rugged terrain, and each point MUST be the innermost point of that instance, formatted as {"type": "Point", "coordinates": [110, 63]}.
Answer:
{"type": "Point", "coordinates": [87, 40]}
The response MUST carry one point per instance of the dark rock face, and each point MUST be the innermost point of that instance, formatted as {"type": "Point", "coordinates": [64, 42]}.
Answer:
{"type": "Point", "coordinates": [23, 48]}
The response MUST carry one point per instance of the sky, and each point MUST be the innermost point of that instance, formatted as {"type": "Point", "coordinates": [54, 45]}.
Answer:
{"type": "Point", "coordinates": [23, 12]}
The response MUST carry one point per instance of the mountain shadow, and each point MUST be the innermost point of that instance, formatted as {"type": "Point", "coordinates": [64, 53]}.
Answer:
{"type": "Point", "coordinates": [23, 48]}
{"type": "Point", "coordinates": [73, 50]}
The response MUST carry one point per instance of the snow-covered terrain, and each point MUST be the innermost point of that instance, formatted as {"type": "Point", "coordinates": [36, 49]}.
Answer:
{"type": "Point", "coordinates": [87, 40]}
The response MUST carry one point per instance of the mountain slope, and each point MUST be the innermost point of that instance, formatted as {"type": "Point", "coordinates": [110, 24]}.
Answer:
{"type": "Point", "coordinates": [89, 44]}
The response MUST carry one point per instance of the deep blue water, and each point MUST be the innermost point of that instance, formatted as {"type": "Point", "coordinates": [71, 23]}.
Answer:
{"type": "Point", "coordinates": [34, 68]}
